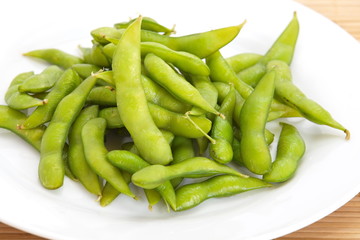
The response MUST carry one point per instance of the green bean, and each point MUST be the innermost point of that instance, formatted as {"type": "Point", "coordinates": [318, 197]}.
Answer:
{"type": "Point", "coordinates": [20, 101]}
{"type": "Point", "coordinates": [147, 24]}
{"type": "Point", "coordinates": [221, 151]}
{"type": "Point", "coordinates": [242, 61]}
{"type": "Point", "coordinates": [191, 195]}
{"type": "Point", "coordinates": [109, 193]}
{"type": "Point", "coordinates": [92, 135]}
{"type": "Point", "coordinates": [131, 99]}
{"type": "Point", "coordinates": [51, 166]}
{"type": "Point", "coordinates": [199, 44]}
{"type": "Point", "coordinates": [43, 81]}
{"type": "Point", "coordinates": [290, 150]}
{"type": "Point", "coordinates": [132, 163]}
{"type": "Point", "coordinates": [77, 161]}
{"type": "Point", "coordinates": [174, 83]}
{"type": "Point", "coordinates": [291, 94]}
{"type": "Point", "coordinates": [68, 81]}
{"type": "Point", "coordinates": [282, 49]}
{"type": "Point", "coordinates": [154, 175]}
{"type": "Point", "coordinates": [10, 119]}
{"type": "Point", "coordinates": [55, 56]}
{"type": "Point", "coordinates": [254, 113]}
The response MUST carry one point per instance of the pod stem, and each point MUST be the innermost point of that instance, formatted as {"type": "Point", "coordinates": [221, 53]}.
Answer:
{"type": "Point", "coordinates": [347, 132]}
{"type": "Point", "coordinates": [187, 116]}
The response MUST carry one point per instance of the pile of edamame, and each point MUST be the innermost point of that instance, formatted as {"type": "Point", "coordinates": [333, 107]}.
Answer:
{"type": "Point", "coordinates": [179, 109]}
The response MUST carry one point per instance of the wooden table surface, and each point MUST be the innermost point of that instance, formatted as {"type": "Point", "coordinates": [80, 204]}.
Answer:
{"type": "Point", "coordinates": [344, 223]}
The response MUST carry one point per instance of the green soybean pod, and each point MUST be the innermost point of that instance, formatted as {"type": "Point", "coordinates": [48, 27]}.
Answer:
{"type": "Point", "coordinates": [109, 193]}
{"type": "Point", "coordinates": [155, 175]}
{"type": "Point", "coordinates": [191, 195]}
{"type": "Point", "coordinates": [147, 24]}
{"type": "Point", "coordinates": [77, 161]}
{"type": "Point", "coordinates": [131, 99]}
{"type": "Point", "coordinates": [291, 94]}
{"type": "Point", "coordinates": [68, 81]}
{"type": "Point", "coordinates": [43, 81]}
{"type": "Point", "coordinates": [51, 166]}
{"type": "Point", "coordinates": [92, 135]}
{"type": "Point", "coordinates": [200, 44]}
{"type": "Point", "coordinates": [85, 69]}
{"type": "Point", "coordinates": [10, 119]}
{"type": "Point", "coordinates": [131, 163]}
{"type": "Point", "coordinates": [102, 95]}
{"type": "Point", "coordinates": [55, 56]}
{"type": "Point", "coordinates": [282, 49]}
{"type": "Point", "coordinates": [154, 93]}
{"type": "Point", "coordinates": [182, 149]}
{"type": "Point", "coordinates": [18, 100]}
{"type": "Point", "coordinates": [222, 131]}
{"type": "Point", "coordinates": [163, 74]}
{"type": "Point", "coordinates": [254, 113]}
{"type": "Point", "coordinates": [185, 61]}
{"type": "Point", "coordinates": [242, 61]}
{"type": "Point", "coordinates": [290, 150]}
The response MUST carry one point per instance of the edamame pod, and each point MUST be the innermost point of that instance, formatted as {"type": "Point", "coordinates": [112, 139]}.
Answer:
{"type": "Point", "coordinates": [55, 56]}
{"type": "Point", "coordinates": [282, 49]}
{"type": "Point", "coordinates": [109, 193]}
{"type": "Point", "coordinates": [291, 94]}
{"type": "Point", "coordinates": [92, 135]}
{"type": "Point", "coordinates": [254, 113]}
{"type": "Point", "coordinates": [10, 119]}
{"type": "Point", "coordinates": [68, 81]}
{"type": "Point", "coordinates": [242, 61]}
{"type": "Point", "coordinates": [147, 24]}
{"type": "Point", "coordinates": [131, 99]}
{"type": "Point", "coordinates": [199, 44]}
{"type": "Point", "coordinates": [132, 163]}
{"type": "Point", "coordinates": [51, 166]}
{"type": "Point", "coordinates": [154, 175]}
{"type": "Point", "coordinates": [18, 100]}
{"type": "Point", "coordinates": [290, 150]}
{"type": "Point", "coordinates": [77, 161]}
{"type": "Point", "coordinates": [163, 74]}
{"type": "Point", "coordinates": [222, 131]}
{"type": "Point", "coordinates": [191, 195]}
{"type": "Point", "coordinates": [43, 81]}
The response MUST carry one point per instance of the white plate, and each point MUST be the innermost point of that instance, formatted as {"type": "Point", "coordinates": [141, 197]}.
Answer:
{"type": "Point", "coordinates": [325, 66]}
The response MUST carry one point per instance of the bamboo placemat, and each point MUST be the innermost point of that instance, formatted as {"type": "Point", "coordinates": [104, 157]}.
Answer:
{"type": "Point", "coordinates": [344, 223]}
